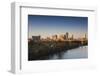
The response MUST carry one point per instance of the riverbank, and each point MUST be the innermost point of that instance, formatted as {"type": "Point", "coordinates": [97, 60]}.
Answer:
{"type": "Point", "coordinates": [39, 50]}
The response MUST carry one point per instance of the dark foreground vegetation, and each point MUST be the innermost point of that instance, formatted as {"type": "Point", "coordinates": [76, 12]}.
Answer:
{"type": "Point", "coordinates": [42, 49]}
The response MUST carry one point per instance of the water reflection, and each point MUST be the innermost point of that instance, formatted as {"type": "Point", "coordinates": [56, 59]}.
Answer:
{"type": "Point", "coordinates": [77, 53]}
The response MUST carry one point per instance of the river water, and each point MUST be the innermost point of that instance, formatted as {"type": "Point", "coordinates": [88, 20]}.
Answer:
{"type": "Point", "coordinates": [81, 52]}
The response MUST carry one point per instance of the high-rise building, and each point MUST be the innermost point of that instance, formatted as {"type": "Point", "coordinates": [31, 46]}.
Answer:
{"type": "Point", "coordinates": [85, 36]}
{"type": "Point", "coordinates": [72, 37]}
{"type": "Point", "coordinates": [67, 35]}
{"type": "Point", "coordinates": [54, 37]}
{"type": "Point", "coordinates": [61, 37]}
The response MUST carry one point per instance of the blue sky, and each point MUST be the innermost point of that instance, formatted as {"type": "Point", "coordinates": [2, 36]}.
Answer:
{"type": "Point", "coordinates": [50, 25]}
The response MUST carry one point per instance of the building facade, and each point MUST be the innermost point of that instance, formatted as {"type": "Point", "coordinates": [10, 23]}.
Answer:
{"type": "Point", "coordinates": [36, 38]}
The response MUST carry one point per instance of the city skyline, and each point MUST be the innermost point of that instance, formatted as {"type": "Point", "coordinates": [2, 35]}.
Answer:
{"type": "Point", "coordinates": [47, 26]}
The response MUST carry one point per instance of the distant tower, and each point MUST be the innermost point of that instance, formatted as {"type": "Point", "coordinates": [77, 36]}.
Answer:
{"type": "Point", "coordinates": [66, 35]}
{"type": "Point", "coordinates": [56, 37]}
{"type": "Point", "coordinates": [72, 37]}
{"type": "Point", "coordinates": [85, 36]}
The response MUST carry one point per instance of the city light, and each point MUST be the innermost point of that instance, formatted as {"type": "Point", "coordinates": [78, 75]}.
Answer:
{"type": "Point", "coordinates": [59, 37]}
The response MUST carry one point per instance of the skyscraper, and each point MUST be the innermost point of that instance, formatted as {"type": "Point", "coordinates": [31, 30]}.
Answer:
{"type": "Point", "coordinates": [85, 36]}
{"type": "Point", "coordinates": [72, 37]}
{"type": "Point", "coordinates": [66, 35]}
{"type": "Point", "coordinates": [54, 37]}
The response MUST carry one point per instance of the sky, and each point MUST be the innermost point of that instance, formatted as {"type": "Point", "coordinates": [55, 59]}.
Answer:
{"type": "Point", "coordinates": [47, 26]}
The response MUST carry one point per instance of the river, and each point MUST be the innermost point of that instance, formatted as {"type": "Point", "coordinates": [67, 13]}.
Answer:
{"type": "Point", "coordinates": [81, 52]}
